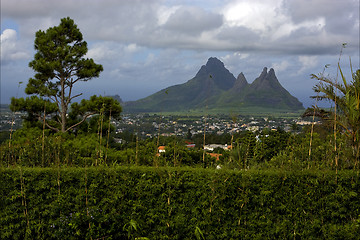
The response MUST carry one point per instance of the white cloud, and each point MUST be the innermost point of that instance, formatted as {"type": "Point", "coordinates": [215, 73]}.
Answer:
{"type": "Point", "coordinates": [281, 66]}
{"type": "Point", "coordinates": [241, 55]}
{"type": "Point", "coordinates": [8, 35]}
{"type": "Point", "coordinates": [165, 12]}
{"type": "Point", "coordinates": [10, 48]}
{"type": "Point", "coordinates": [132, 48]}
{"type": "Point", "coordinates": [100, 52]}
{"type": "Point", "coordinates": [269, 19]}
{"type": "Point", "coordinates": [307, 62]}
{"type": "Point", "coordinates": [234, 57]}
{"type": "Point", "coordinates": [261, 16]}
{"type": "Point", "coordinates": [112, 51]}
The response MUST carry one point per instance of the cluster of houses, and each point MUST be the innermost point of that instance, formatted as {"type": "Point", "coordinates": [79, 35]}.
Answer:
{"type": "Point", "coordinates": [152, 125]}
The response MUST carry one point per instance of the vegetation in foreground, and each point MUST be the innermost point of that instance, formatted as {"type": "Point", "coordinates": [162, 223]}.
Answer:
{"type": "Point", "coordinates": [177, 203]}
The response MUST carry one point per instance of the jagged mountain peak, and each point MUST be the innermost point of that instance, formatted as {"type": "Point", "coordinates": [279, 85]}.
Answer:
{"type": "Point", "coordinates": [264, 72]}
{"type": "Point", "coordinates": [240, 84]}
{"type": "Point", "coordinates": [216, 71]}
{"type": "Point", "coordinates": [214, 62]}
{"type": "Point", "coordinates": [267, 74]}
{"type": "Point", "coordinates": [271, 74]}
{"type": "Point", "coordinates": [241, 77]}
{"type": "Point", "coordinates": [212, 65]}
{"type": "Point", "coordinates": [266, 80]}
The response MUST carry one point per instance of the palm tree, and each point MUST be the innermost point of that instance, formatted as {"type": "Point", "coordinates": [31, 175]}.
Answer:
{"type": "Point", "coordinates": [346, 96]}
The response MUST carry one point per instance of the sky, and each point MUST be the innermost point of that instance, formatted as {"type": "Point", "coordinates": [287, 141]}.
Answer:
{"type": "Point", "coordinates": [148, 45]}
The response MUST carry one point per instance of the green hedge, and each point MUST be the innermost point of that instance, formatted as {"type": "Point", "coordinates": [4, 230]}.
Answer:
{"type": "Point", "coordinates": [177, 203]}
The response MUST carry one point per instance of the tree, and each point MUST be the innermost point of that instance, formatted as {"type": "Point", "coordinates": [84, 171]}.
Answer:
{"type": "Point", "coordinates": [59, 64]}
{"type": "Point", "coordinates": [270, 143]}
{"type": "Point", "coordinates": [106, 107]}
{"type": "Point", "coordinates": [346, 96]}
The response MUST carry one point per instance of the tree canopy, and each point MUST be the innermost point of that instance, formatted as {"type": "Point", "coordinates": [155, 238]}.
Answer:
{"type": "Point", "coordinates": [59, 63]}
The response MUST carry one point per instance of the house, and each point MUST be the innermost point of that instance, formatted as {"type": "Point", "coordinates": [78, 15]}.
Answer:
{"type": "Point", "coordinates": [215, 155]}
{"type": "Point", "coordinates": [189, 146]}
{"type": "Point", "coordinates": [161, 149]}
{"type": "Point", "coordinates": [211, 147]}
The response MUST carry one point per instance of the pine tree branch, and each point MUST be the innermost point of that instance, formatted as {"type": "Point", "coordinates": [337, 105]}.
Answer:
{"type": "Point", "coordinates": [51, 127]}
{"type": "Point", "coordinates": [84, 118]}
{"type": "Point", "coordinates": [46, 123]}
{"type": "Point", "coordinates": [78, 95]}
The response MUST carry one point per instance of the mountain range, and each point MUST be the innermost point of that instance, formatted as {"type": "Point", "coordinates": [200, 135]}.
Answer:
{"type": "Point", "coordinates": [216, 89]}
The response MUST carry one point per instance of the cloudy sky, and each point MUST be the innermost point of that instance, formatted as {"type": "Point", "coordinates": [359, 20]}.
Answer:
{"type": "Point", "coordinates": [147, 45]}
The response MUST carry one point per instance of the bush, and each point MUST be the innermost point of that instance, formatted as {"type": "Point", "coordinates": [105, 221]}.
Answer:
{"type": "Point", "coordinates": [176, 203]}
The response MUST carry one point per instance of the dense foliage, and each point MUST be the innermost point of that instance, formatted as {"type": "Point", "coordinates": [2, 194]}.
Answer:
{"type": "Point", "coordinates": [177, 203]}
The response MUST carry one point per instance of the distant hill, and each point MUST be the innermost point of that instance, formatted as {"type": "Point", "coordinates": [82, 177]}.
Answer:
{"type": "Point", "coordinates": [215, 88]}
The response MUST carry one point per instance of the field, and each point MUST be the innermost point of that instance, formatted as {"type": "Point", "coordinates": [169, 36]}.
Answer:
{"type": "Point", "coordinates": [251, 111]}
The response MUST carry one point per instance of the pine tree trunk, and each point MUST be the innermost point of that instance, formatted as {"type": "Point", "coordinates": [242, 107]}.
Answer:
{"type": "Point", "coordinates": [63, 106]}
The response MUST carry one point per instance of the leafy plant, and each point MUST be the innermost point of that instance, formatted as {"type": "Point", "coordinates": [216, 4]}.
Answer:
{"type": "Point", "coordinates": [348, 105]}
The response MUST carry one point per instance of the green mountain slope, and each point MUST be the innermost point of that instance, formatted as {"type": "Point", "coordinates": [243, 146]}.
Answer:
{"type": "Point", "coordinates": [215, 88]}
